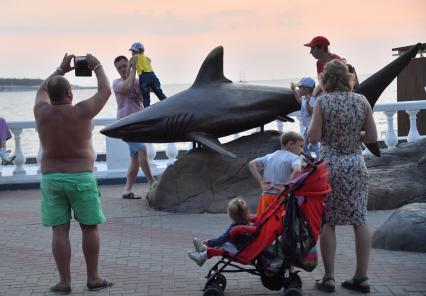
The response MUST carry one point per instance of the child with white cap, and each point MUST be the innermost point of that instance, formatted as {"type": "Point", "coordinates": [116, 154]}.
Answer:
{"type": "Point", "coordinates": [147, 79]}
{"type": "Point", "coordinates": [307, 102]}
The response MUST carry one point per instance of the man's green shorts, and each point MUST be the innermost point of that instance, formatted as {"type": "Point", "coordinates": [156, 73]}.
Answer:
{"type": "Point", "coordinates": [62, 192]}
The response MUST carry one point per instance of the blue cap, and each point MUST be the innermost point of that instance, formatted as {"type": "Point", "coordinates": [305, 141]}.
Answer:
{"type": "Point", "coordinates": [137, 46]}
{"type": "Point", "coordinates": [307, 81]}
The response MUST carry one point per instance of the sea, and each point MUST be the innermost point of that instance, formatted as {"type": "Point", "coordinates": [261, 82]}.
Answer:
{"type": "Point", "coordinates": [18, 106]}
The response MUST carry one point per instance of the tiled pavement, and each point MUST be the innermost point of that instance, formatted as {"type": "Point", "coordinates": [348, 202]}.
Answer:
{"type": "Point", "coordinates": [143, 251]}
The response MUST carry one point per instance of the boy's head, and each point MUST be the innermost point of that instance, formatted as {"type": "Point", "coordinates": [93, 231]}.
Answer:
{"type": "Point", "coordinates": [137, 47]}
{"type": "Point", "coordinates": [292, 142]}
{"type": "Point", "coordinates": [238, 210]}
{"type": "Point", "coordinates": [306, 86]}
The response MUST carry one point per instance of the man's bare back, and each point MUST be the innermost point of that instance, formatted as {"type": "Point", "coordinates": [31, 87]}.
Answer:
{"type": "Point", "coordinates": [65, 130]}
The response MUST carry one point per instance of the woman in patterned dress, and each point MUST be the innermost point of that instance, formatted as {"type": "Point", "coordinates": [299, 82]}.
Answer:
{"type": "Point", "coordinates": [342, 120]}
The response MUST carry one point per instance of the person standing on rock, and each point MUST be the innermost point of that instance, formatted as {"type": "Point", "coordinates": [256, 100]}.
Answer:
{"type": "Point", "coordinates": [67, 182]}
{"type": "Point", "coordinates": [342, 120]}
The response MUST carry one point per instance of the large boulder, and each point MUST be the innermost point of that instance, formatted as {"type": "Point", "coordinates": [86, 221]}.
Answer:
{"type": "Point", "coordinates": [398, 177]}
{"type": "Point", "coordinates": [405, 230]}
{"type": "Point", "coordinates": [204, 181]}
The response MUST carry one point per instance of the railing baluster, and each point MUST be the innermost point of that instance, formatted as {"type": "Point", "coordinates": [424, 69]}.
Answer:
{"type": "Point", "coordinates": [280, 125]}
{"type": "Point", "coordinates": [413, 134]}
{"type": "Point", "coordinates": [151, 153]}
{"type": "Point", "coordinates": [20, 157]}
{"type": "Point", "coordinates": [390, 140]}
{"type": "Point", "coordinates": [171, 152]}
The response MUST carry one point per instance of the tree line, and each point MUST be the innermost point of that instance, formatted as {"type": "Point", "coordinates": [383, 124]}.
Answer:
{"type": "Point", "coordinates": [20, 82]}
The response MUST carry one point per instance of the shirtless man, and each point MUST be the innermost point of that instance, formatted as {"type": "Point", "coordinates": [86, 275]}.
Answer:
{"type": "Point", "coordinates": [67, 162]}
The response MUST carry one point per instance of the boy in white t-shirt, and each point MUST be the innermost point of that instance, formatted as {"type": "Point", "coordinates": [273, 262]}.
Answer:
{"type": "Point", "coordinates": [307, 103]}
{"type": "Point", "coordinates": [277, 168]}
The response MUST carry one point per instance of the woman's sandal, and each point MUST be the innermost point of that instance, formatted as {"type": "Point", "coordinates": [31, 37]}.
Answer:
{"type": "Point", "coordinates": [324, 284]}
{"type": "Point", "coordinates": [356, 284]}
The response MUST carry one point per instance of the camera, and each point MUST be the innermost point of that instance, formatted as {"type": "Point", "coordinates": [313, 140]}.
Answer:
{"type": "Point", "coordinates": [81, 66]}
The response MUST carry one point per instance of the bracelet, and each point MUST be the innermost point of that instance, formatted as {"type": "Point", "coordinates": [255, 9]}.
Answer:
{"type": "Point", "coordinates": [59, 69]}
{"type": "Point", "coordinates": [97, 66]}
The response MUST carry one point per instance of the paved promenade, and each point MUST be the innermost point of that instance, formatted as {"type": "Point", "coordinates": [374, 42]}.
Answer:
{"type": "Point", "coordinates": [143, 252]}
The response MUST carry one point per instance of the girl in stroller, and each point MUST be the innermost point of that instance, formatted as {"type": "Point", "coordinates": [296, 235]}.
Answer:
{"type": "Point", "coordinates": [239, 213]}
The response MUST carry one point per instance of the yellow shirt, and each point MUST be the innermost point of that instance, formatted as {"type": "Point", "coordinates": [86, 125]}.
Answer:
{"type": "Point", "coordinates": [143, 64]}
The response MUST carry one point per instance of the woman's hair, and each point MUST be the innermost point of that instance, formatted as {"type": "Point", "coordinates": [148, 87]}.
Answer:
{"type": "Point", "coordinates": [238, 210]}
{"type": "Point", "coordinates": [336, 77]}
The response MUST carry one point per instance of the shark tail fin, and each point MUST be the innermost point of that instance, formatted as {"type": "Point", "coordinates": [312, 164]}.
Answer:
{"type": "Point", "coordinates": [212, 69]}
{"type": "Point", "coordinates": [373, 87]}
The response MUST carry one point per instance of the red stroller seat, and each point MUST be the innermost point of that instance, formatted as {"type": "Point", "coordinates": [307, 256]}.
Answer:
{"type": "Point", "coordinates": [309, 188]}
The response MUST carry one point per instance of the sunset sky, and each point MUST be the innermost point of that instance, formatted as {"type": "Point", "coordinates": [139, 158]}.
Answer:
{"type": "Point", "coordinates": [264, 39]}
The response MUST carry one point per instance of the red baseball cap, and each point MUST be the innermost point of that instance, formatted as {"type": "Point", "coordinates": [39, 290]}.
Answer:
{"type": "Point", "coordinates": [319, 40]}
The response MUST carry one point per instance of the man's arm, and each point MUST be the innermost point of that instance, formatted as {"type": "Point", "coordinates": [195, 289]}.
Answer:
{"type": "Point", "coordinates": [129, 83]}
{"type": "Point", "coordinates": [90, 107]}
{"type": "Point", "coordinates": [42, 98]}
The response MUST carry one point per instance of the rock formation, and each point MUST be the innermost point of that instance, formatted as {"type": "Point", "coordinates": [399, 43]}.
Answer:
{"type": "Point", "coordinates": [204, 181]}
{"type": "Point", "coordinates": [405, 230]}
{"type": "Point", "coordinates": [398, 177]}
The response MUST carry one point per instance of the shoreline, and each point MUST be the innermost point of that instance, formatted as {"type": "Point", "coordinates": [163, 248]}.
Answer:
{"type": "Point", "coordinates": [19, 88]}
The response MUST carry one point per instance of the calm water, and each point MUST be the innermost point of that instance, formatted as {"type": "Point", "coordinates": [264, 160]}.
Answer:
{"type": "Point", "coordinates": [17, 106]}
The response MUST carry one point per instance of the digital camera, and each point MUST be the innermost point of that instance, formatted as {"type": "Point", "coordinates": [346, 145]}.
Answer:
{"type": "Point", "coordinates": [81, 66]}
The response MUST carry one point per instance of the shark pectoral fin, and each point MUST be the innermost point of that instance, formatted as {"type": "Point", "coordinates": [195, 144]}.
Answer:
{"type": "Point", "coordinates": [374, 148]}
{"type": "Point", "coordinates": [211, 142]}
{"type": "Point", "coordinates": [285, 118]}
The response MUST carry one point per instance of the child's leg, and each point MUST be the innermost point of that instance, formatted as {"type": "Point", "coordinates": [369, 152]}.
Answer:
{"type": "Point", "coordinates": [156, 88]}
{"type": "Point", "coordinates": [144, 86]}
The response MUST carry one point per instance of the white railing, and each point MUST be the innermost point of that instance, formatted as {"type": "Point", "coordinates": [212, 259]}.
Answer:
{"type": "Point", "coordinates": [117, 153]}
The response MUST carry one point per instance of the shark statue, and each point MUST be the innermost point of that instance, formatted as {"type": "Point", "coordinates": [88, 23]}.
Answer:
{"type": "Point", "coordinates": [214, 107]}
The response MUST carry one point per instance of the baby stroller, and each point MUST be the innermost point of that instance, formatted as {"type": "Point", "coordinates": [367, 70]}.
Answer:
{"type": "Point", "coordinates": [281, 237]}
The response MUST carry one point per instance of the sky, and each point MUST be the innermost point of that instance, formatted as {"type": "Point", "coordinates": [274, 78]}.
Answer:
{"type": "Point", "coordinates": [261, 39]}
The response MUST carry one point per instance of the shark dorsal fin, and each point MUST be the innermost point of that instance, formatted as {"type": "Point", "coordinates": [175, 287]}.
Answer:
{"type": "Point", "coordinates": [212, 69]}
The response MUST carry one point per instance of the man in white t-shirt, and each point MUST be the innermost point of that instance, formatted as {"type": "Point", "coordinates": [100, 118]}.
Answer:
{"type": "Point", "coordinates": [307, 103]}
{"type": "Point", "coordinates": [129, 101]}
{"type": "Point", "coordinates": [277, 167]}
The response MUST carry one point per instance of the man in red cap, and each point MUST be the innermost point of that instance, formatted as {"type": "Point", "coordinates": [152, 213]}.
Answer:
{"type": "Point", "coordinates": [319, 50]}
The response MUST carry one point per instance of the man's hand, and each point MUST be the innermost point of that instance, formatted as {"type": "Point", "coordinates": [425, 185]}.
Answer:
{"type": "Point", "coordinates": [132, 61]}
{"type": "Point", "coordinates": [65, 66]}
{"type": "Point", "coordinates": [92, 62]}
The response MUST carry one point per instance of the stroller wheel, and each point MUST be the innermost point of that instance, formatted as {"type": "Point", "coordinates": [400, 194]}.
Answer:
{"type": "Point", "coordinates": [220, 281]}
{"type": "Point", "coordinates": [292, 292]}
{"type": "Point", "coordinates": [213, 290]}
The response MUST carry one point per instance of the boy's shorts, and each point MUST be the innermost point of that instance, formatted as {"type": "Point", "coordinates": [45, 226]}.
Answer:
{"type": "Point", "coordinates": [134, 148]}
{"type": "Point", "coordinates": [62, 192]}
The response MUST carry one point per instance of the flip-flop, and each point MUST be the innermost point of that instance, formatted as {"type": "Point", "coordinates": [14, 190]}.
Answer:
{"type": "Point", "coordinates": [131, 195]}
{"type": "Point", "coordinates": [55, 289]}
{"type": "Point", "coordinates": [102, 285]}
{"type": "Point", "coordinates": [323, 286]}
{"type": "Point", "coordinates": [355, 284]}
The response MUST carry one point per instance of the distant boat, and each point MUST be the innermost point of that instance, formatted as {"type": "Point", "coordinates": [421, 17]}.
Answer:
{"type": "Point", "coordinates": [242, 77]}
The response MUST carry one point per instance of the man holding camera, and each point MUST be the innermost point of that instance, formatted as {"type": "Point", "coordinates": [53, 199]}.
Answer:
{"type": "Point", "coordinates": [67, 181]}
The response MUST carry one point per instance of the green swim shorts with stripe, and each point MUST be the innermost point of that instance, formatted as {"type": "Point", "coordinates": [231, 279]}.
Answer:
{"type": "Point", "coordinates": [61, 193]}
